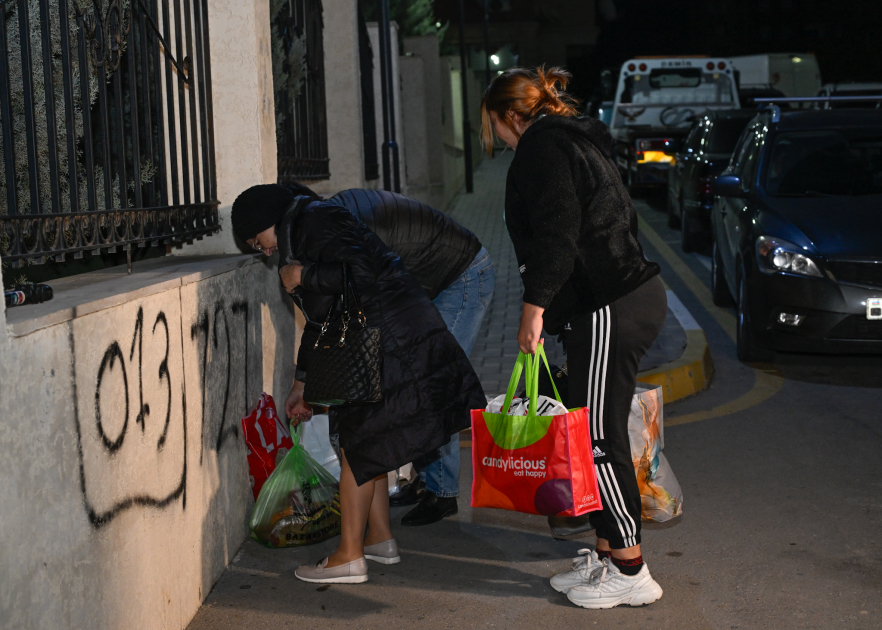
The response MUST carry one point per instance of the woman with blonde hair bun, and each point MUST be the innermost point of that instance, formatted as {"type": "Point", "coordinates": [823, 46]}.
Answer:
{"type": "Point", "coordinates": [574, 231]}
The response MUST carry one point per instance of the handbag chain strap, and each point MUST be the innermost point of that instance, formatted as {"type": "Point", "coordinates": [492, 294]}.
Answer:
{"type": "Point", "coordinates": [348, 289]}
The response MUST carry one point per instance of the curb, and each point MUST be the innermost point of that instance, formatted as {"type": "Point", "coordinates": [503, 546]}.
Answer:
{"type": "Point", "coordinates": [693, 371]}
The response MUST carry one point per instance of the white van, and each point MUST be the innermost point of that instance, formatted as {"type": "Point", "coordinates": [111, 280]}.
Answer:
{"type": "Point", "coordinates": [794, 74]}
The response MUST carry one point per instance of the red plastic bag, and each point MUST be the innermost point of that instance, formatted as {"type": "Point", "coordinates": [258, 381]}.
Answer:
{"type": "Point", "coordinates": [533, 464]}
{"type": "Point", "coordinates": [267, 439]}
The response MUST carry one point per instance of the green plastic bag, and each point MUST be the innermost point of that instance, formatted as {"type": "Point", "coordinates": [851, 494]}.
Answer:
{"type": "Point", "coordinates": [299, 504]}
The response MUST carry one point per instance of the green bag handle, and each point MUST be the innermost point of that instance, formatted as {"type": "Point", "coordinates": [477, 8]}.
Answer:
{"type": "Point", "coordinates": [513, 382]}
{"type": "Point", "coordinates": [531, 363]}
{"type": "Point", "coordinates": [540, 350]}
{"type": "Point", "coordinates": [295, 433]}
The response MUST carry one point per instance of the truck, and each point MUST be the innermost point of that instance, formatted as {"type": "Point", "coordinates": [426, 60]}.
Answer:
{"type": "Point", "coordinates": [794, 74]}
{"type": "Point", "coordinates": [656, 101]}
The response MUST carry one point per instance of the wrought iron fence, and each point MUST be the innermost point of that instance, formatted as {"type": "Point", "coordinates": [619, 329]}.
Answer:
{"type": "Point", "coordinates": [106, 118]}
{"type": "Point", "coordinates": [299, 79]}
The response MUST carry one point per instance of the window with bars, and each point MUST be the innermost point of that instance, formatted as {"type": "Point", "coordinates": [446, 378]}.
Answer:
{"type": "Point", "coordinates": [299, 83]}
{"type": "Point", "coordinates": [106, 120]}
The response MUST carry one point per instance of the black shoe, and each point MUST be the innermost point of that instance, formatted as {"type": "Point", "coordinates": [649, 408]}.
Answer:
{"type": "Point", "coordinates": [409, 494]}
{"type": "Point", "coordinates": [430, 509]}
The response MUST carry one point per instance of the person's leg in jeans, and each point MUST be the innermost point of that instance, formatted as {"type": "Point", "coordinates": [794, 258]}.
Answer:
{"type": "Point", "coordinates": [462, 305]}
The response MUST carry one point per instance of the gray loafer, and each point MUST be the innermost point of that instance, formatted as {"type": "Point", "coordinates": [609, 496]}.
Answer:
{"type": "Point", "coordinates": [384, 552]}
{"type": "Point", "coordinates": [353, 572]}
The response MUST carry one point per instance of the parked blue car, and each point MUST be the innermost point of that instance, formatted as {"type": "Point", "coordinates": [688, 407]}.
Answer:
{"type": "Point", "coordinates": [797, 233]}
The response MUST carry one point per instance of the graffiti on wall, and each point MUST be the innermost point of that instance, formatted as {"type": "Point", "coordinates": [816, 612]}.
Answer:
{"type": "Point", "coordinates": [131, 400]}
{"type": "Point", "coordinates": [218, 331]}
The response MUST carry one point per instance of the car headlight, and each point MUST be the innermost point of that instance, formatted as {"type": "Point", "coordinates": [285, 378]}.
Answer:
{"type": "Point", "coordinates": [776, 254]}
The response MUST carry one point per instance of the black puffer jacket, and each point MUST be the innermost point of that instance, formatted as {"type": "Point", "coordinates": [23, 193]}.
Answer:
{"type": "Point", "coordinates": [571, 221]}
{"type": "Point", "coordinates": [435, 248]}
{"type": "Point", "coordinates": [428, 384]}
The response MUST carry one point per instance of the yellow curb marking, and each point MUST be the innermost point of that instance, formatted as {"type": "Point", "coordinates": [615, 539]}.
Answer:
{"type": "Point", "coordinates": [686, 376]}
{"type": "Point", "coordinates": [768, 380]}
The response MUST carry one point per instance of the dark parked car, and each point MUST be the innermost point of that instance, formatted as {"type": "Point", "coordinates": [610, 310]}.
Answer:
{"type": "Point", "coordinates": [705, 153]}
{"type": "Point", "coordinates": [797, 226]}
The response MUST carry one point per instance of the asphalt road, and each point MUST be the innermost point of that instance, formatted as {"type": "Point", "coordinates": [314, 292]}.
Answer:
{"type": "Point", "coordinates": [782, 524]}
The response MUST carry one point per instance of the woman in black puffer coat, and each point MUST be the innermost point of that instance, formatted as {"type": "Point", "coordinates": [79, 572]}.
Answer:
{"type": "Point", "coordinates": [428, 384]}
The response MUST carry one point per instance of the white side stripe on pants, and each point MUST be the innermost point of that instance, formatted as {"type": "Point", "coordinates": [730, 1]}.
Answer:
{"type": "Point", "coordinates": [616, 504]}
{"type": "Point", "coordinates": [602, 388]}
{"type": "Point", "coordinates": [609, 487]}
{"type": "Point", "coordinates": [600, 329]}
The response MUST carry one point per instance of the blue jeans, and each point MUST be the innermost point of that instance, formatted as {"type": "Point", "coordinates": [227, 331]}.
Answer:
{"type": "Point", "coordinates": [462, 305]}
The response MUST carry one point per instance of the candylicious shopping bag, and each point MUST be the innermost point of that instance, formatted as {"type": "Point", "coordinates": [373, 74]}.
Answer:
{"type": "Point", "coordinates": [531, 463]}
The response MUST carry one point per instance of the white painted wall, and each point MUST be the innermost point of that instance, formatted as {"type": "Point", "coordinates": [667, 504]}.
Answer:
{"type": "Point", "coordinates": [101, 526]}
{"type": "Point", "coordinates": [105, 523]}
{"type": "Point", "coordinates": [244, 110]}
{"type": "Point", "coordinates": [343, 98]}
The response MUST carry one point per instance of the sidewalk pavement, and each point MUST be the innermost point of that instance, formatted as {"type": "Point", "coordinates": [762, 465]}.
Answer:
{"type": "Point", "coordinates": [481, 568]}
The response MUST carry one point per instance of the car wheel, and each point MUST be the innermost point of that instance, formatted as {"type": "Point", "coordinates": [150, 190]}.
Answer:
{"type": "Point", "coordinates": [748, 350]}
{"type": "Point", "coordinates": [673, 214]}
{"type": "Point", "coordinates": [719, 290]}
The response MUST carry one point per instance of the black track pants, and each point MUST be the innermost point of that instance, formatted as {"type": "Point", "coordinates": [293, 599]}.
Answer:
{"type": "Point", "coordinates": [603, 352]}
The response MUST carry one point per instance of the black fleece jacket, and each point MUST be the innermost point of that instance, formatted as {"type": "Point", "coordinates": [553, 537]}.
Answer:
{"type": "Point", "coordinates": [571, 221]}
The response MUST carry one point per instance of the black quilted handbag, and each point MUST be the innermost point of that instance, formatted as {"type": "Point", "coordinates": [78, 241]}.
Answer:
{"type": "Point", "coordinates": [344, 365]}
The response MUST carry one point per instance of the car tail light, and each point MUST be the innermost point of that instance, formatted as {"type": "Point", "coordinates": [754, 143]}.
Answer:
{"type": "Point", "coordinates": [654, 144]}
{"type": "Point", "coordinates": [710, 65]}
{"type": "Point", "coordinates": [642, 67]}
{"type": "Point", "coordinates": [721, 66]}
{"type": "Point", "coordinates": [631, 67]}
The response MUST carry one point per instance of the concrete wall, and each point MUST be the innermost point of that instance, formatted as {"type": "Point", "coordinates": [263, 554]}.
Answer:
{"type": "Point", "coordinates": [422, 115]}
{"type": "Point", "coordinates": [415, 169]}
{"type": "Point", "coordinates": [400, 137]}
{"type": "Point", "coordinates": [244, 106]}
{"type": "Point", "coordinates": [244, 109]}
{"type": "Point", "coordinates": [452, 129]}
{"type": "Point", "coordinates": [343, 98]}
{"type": "Point", "coordinates": [123, 472]}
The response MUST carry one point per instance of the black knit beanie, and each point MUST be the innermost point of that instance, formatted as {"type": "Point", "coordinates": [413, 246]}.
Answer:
{"type": "Point", "coordinates": [258, 208]}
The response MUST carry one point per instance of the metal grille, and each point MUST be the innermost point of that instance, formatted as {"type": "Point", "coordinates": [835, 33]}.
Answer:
{"type": "Point", "coordinates": [299, 75]}
{"type": "Point", "coordinates": [106, 126]}
{"type": "Point", "coordinates": [867, 273]}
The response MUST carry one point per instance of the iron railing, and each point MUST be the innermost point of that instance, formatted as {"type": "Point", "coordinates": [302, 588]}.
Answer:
{"type": "Point", "coordinates": [299, 74]}
{"type": "Point", "coordinates": [106, 124]}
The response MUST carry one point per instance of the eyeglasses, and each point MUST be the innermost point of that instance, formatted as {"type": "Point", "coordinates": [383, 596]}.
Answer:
{"type": "Point", "coordinates": [257, 246]}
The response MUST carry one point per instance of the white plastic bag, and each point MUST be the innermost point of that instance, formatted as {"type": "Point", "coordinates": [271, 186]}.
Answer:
{"type": "Point", "coordinates": [545, 406]}
{"type": "Point", "coordinates": [660, 493]}
{"type": "Point", "coordinates": [315, 440]}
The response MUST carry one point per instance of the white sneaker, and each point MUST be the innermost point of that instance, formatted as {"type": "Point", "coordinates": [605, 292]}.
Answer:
{"type": "Point", "coordinates": [583, 566]}
{"type": "Point", "coordinates": [608, 587]}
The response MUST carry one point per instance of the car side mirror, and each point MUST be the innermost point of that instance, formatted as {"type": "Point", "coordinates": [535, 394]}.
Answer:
{"type": "Point", "coordinates": [728, 186]}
